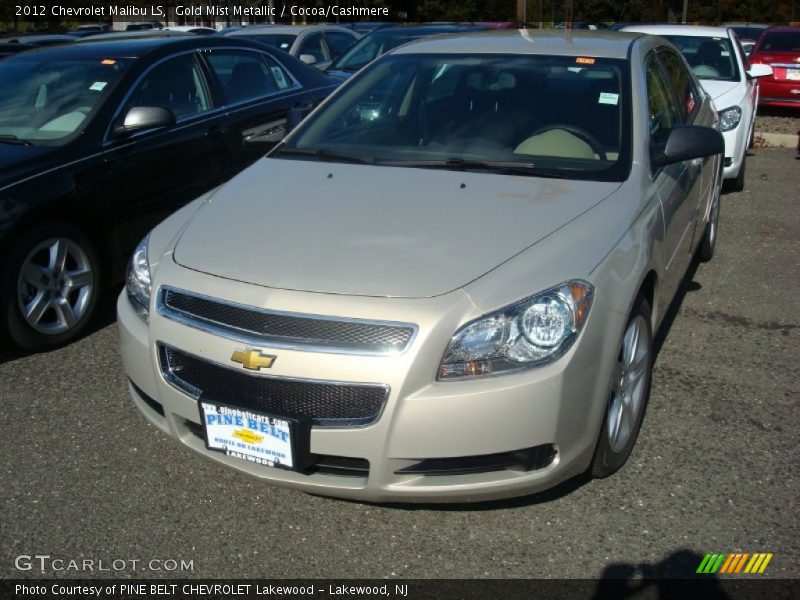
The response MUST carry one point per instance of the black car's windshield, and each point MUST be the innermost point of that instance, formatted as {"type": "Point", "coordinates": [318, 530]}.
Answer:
{"type": "Point", "coordinates": [546, 115]}
{"type": "Point", "coordinates": [709, 57]}
{"type": "Point", "coordinates": [46, 100]}
{"type": "Point", "coordinates": [370, 48]}
{"type": "Point", "coordinates": [280, 42]}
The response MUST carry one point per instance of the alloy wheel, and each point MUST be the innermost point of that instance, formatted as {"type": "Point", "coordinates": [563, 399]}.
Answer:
{"type": "Point", "coordinates": [630, 385]}
{"type": "Point", "coordinates": [55, 285]}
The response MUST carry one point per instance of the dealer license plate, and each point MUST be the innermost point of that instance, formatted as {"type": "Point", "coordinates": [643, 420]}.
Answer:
{"type": "Point", "coordinates": [250, 436]}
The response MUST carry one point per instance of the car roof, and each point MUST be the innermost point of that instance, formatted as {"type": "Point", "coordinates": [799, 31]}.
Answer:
{"type": "Point", "coordinates": [685, 30]}
{"type": "Point", "coordinates": [426, 29]}
{"type": "Point", "coordinates": [283, 29]}
{"type": "Point", "coordinates": [138, 47]}
{"type": "Point", "coordinates": [526, 41]}
{"type": "Point", "coordinates": [782, 28]}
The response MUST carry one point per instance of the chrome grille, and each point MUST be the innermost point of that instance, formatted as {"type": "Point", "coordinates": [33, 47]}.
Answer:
{"type": "Point", "coordinates": [330, 404]}
{"type": "Point", "coordinates": [302, 332]}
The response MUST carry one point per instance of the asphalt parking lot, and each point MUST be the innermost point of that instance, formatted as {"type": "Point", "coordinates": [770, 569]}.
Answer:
{"type": "Point", "coordinates": [715, 469]}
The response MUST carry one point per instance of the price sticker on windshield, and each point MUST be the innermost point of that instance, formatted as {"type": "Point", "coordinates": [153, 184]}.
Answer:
{"type": "Point", "coordinates": [583, 60]}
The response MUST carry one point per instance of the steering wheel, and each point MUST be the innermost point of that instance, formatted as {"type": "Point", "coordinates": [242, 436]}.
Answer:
{"type": "Point", "coordinates": [578, 132]}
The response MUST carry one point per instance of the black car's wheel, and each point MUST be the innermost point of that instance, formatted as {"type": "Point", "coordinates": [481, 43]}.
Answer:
{"type": "Point", "coordinates": [706, 250]}
{"type": "Point", "coordinates": [630, 390]}
{"type": "Point", "coordinates": [51, 284]}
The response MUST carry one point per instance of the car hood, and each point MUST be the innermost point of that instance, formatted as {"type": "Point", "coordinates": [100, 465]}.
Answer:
{"type": "Point", "coordinates": [18, 161]}
{"type": "Point", "coordinates": [374, 230]}
{"type": "Point", "coordinates": [721, 91]}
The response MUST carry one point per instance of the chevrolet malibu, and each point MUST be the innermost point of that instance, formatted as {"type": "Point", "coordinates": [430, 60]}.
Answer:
{"type": "Point", "coordinates": [443, 285]}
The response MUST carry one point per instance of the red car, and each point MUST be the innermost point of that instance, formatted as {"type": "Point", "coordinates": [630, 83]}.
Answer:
{"type": "Point", "coordinates": [779, 47]}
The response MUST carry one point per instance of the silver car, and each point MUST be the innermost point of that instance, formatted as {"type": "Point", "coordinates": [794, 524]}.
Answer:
{"type": "Point", "coordinates": [317, 45]}
{"type": "Point", "coordinates": [443, 285]}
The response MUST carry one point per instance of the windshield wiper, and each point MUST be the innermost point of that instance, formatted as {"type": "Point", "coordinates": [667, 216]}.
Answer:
{"type": "Point", "coordinates": [467, 164]}
{"type": "Point", "coordinates": [12, 139]}
{"type": "Point", "coordinates": [323, 154]}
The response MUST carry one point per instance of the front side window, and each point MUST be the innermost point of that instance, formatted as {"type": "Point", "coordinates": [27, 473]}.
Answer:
{"type": "Point", "coordinates": [543, 115]}
{"type": "Point", "coordinates": [47, 100]}
{"type": "Point", "coordinates": [709, 57]}
{"type": "Point", "coordinates": [682, 83]}
{"type": "Point", "coordinates": [176, 84]}
{"type": "Point", "coordinates": [663, 114]}
{"type": "Point", "coordinates": [243, 75]}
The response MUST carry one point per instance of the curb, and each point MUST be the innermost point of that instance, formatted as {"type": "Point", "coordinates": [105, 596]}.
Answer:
{"type": "Point", "coordinates": [778, 140]}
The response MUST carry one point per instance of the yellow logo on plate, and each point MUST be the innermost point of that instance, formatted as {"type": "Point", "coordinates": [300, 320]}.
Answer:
{"type": "Point", "coordinates": [248, 436]}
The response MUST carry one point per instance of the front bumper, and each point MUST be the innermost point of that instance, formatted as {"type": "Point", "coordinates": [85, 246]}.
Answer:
{"type": "Point", "coordinates": [736, 141]}
{"type": "Point", "coordinates": [558, 406]}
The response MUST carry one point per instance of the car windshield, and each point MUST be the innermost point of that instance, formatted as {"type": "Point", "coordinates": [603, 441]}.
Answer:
{"type": "Point", "coordinates": [781, 41]}
{"type": "Point", "coordinates": [709, 57]}
{"type": "Point", "coordinates": [281, 42]}
{"type": "Point", "coordinates": [46, 100]}
{"type": "Point", "coordinates": [370, 48]}
{"type": "Point", "coordinates": [554, 116]}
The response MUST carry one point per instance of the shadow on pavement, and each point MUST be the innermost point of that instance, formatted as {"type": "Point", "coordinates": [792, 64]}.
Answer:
{"type": "Point", "coordinates": [663, 580]}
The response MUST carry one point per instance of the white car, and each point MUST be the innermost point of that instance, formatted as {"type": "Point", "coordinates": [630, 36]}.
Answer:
{"type": "Point", "coordinates": [317, 45]}
{"type": "Point", "coordinates": [720, 63]}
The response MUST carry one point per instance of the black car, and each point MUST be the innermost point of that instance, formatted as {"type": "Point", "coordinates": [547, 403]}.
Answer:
{"type": "Point", "coordinates": [7, 49]}
{"type": "Point", "coordinates": [99, 141]}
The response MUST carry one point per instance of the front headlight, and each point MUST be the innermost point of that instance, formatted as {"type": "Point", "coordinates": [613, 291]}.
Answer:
{"type": "Point", "coordinates": [137, 279]}
{"type": "Point", "coordinates": [529, 333]}
{"type": "Point", "coordinates": [729, 118]}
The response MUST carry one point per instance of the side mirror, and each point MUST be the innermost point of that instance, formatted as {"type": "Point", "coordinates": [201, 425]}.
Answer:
{"type": "Point", "coordinates": [759, 70]}
{"type": "Point", "coordinates": [145, 117]}
{"type": "Point", "coordinates": [687, 142]}
{"type": "Point", "coordinates": [295, 116]}
{"type": "Point", "coordinates": [309, 59]}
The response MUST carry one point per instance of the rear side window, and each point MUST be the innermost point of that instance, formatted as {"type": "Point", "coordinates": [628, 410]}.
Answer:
{"type": "Point", "coordinates": [243, 75]}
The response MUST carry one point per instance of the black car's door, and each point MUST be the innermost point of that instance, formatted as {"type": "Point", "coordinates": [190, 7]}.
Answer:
{"type": "Point", "coordinates": [258, 94]}
{"type": "Point", "coordinates": [154, 172]}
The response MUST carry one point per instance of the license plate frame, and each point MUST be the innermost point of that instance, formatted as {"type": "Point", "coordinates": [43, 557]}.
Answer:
{"type": "Point", "coordinates": [270, 428]}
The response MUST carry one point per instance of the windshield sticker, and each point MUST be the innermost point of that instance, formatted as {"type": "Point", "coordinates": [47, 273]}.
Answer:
{"type": "Point", "coordinates": [278, 73]}
{"type": "Point", "coordinates": [98, 86]}
{"type": "Point", "coordinates": [582, 60]}
{"type": "Point", "coordinates": [108, 61]}
{"type": "Point", "coordinates": [608, 98]}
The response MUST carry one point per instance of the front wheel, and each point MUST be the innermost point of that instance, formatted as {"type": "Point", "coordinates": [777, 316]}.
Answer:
{"type": "Point", "coordinates": [51, 284]}
{"type": "Point", "coordinates": [737, 184]}
{"type": "Point", "coordinates": [630, 391]}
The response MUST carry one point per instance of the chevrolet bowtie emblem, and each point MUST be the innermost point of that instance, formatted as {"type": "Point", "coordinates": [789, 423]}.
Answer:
{"type": "Point", "coordinates": [254, 360]}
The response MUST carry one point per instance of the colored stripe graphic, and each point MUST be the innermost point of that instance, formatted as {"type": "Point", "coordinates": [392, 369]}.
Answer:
{"type": "Point", "coordinates": [734, 563]}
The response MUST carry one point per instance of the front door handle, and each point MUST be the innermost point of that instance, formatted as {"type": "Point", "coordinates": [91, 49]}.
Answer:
{"type": "Point", "coordinates": [216, 131]}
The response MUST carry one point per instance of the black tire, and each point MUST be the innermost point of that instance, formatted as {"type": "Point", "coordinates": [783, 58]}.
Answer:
{"type": "Point", "coordinates": [752, 141]}
{"type": "Point", "coordinates": [608, 459]}
{"type": "Point", "coordinates": [705, 251]}
{"type": "Point", "coordinates": [12, 321]}
{"type": "Point", "coordinates": [737, 185]}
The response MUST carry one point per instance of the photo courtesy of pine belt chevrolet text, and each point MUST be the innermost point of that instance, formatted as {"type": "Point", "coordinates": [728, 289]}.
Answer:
{"type": "Point", "coordinates": [443, 284]}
